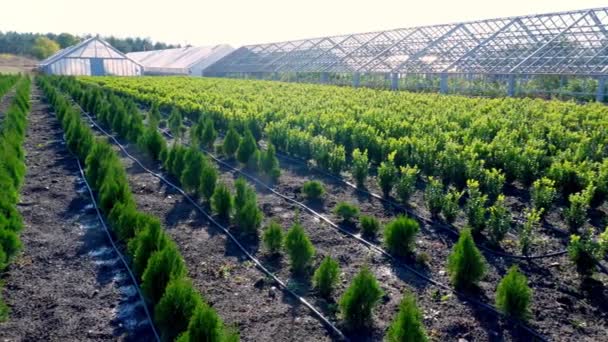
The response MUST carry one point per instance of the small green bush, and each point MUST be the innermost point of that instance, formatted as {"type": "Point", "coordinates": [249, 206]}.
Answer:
{"type": "Point", "coordinates": [576, 213]}
{"type": "Point", "coordinates": [433, 196]}
{"type": "Point", "coordinates": [270, 164]}
{"type": "Point", "coordinates": [191, 174]}
{"type": "Point", "coordinates": [205, 325]}
{"type": "Point", "coordinates": [209, 134]}
{"type": "Point", "coordinates": [408, 325]}
{"type": "Point", "coordinates": [406, 185]}
{"type": "Point", "coordinates": [583, 251]}
{"type": "Point", "coordinates": [163, 265]}
{"type": "Point", "coordinates": [326, 276]}
{"type": "Point", "coordinates": [513, 295]}
{"type": "Point", "coordinates": [313, 190]}
{"type": "Point", "coordinates": [222, 201]}
{"type": "Point", "coordinates": [499, 221]}
{"type": "Point", "coordinates": [543, 194]}
{"type": "Point", "coordinates": [359, 300]}
{"type": "Point", "coordinates": [369, 225]}
{"type": "Point", "coordinates": [299, 248]}
{"type": "Point", "coordinates": [466, 265]}
{"type": "Point", "coordinates": [244, 193]}
{"type": "Point", "coordinates": [273, 238]}
{"type": "Point", "coordinates": [360, 166]}
{"type": "Point", "coordinates": [399, 235]}
{"type": "Point", "coordinates": [152, 142]}
{"type": "Point", "coordinates": [247, 148]}
{"type": "Point", "coordinates": [147, 241]}
{"type": "Point", "coordinates": [208, 181]}
{"type": "Point", "coordinates": [387, 176]}
{"type": "Point", "coordinates": [450, 207]}
{"type": "Point", "coordinates": [175, 309]}
{"type": "Point", "coordinates": [248, 217]}
{"type": "Point", "coordinates": [346, 211]}
{"type": "Point", "coordinates": [526, 235]}
{"type": "Point", "coordinates": [175, 122]}
{"type": "Point", "coordinates": [475, 207]}
{"type": "Point", "coordinates": [231, 143]}
{"type": "Point", "coordinates": [492, 182]}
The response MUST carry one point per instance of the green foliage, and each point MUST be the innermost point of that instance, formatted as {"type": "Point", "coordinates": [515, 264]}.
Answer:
{"type": "Point", "coordinates": [163, 265]}
{"type": "Point", "coordinates": [584, 252]}
{"type": "Point", "coordinates": [360, 166]}
{"type": "Point", "coordinates": [499, 220]}
{"type": "Point", "coordinates": [433, 196]}
{"type": "Point", "coordinates": [475, 208]}
{"type": "Point", "coordinates": [44, 47]}
{"type": "Point", "coordinates": [359, 300]}
{"type": "Point", "coordinates": [399, 235]}
{"type": "Point", "coordinates": [387, 176]}
{"type": "Point", "coordinates": [513, 295]}
{"type": "Point", "coordinates": [408, 325]}
{"type": "Point", "coordinates": [299, 248]}
{"type": "Point", "coordinates": [526, 235]}
{"type": "Point", "coordinates": [222, 201]}
{"type": "Point", "coordinates": [147, 241]}
{"type": "Point", "coordinates": [269, 164]}
{"type": "Point", "coordinates": [543, 194]}
{"type": "Point", "coordinates": [190, 177]}
{"type": "Point", "coordinates": [205, 325]}
{"type": "Point", "coordinates": [209, 134]}
{"type": "Point", "coordinates": [247, 147]}
{"type": "Point", "coordinates": [248, 217]}
{"type": "Point", "coordinates": [273, 238]}
{"type": "Point", "coordinates": [173, 312]}
{"type": "Point", "coordinates": [152, 142]}
{"type": "Point", "coordinates": [208, 181]}
{"type": "Point", "coordinates": [326, 276]}
{"type": "Point", "coordinates": [406, 185]}
{"type": "Point", "coordinates": [466, 265]}
{"type": "Point", "coordinates": [232, 141]}
{"type": "Point", "coordinates": [346, 211]}
{"type": "Point", "coordinates": [154, 116]}
{"type": "Point", "coordinates": [175, 122]}
{"type": "Point", "coordinates": [576, 213]}
{"type": "Point", "coordinates": [449, 205]}
{"type": "Point", "coordinates": [313, 190]}
{"type": "Point", "coordinates": [369, 225]}
{"type": "Point", "coordinates": [492, 183]}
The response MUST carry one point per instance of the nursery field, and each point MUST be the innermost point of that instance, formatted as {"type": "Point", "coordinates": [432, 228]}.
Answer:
{"type": "Point", "coordinates": [260, 210]}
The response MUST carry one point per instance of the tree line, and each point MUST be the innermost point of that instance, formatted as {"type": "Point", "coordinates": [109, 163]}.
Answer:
{"type": "Point", "coordinates": [42, 45]}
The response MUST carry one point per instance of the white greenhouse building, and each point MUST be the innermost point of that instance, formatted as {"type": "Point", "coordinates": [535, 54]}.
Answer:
{"type": "Point", "coordinates": [190, 61]}
{"type": "Point", "coordinates": [91, 57]}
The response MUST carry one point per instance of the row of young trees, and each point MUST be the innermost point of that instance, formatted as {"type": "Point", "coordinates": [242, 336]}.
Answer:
{"type": "Point", "coordinates": [12, 170]}
{"type": "Point", "coordinates": [180, 312]}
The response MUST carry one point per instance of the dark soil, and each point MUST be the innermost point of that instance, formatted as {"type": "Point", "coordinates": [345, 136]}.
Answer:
{"type": "Point", "coordinates": [67, 284]}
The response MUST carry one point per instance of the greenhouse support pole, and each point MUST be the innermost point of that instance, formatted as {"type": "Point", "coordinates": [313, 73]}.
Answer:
{"type": "Point", "coordinates": [275, 76]}
{"type": "Point", "coordinates": [443, 83]}
{"type": "Point", "coordinates": [601, 89]}
{"type": "Point", "coordinates": [356, 79]}
{"type": "Point", "coordinates": [324, 77]}
{"type": "Point", "coordinates": [394, 81]}
{"type": "Point", "coordinates": [511, 86]}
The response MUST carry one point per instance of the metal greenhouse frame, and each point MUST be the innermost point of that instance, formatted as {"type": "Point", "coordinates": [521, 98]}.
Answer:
{"type": "Point", "coordinates": [516, 56]}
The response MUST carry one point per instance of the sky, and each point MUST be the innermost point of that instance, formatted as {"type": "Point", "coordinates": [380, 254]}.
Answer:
{"type": "Point", "coordinates": [241, 22]}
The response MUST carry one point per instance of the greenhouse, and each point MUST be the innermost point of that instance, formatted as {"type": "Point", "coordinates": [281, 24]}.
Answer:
{"type": "Point", "coordinates": [182, 61]}
{"type": "Point", "coordinates": [91, 57]}
{"type": "Point", "coordinates": [561, 54]}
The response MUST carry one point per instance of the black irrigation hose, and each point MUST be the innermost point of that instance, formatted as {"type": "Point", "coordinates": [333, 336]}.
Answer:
{"type": "Point", "coordinates": [258, 263]}
{"type": "Point", "coordinates": [122, 258]}
{"type": "Point", "coordinates": [375, 247]}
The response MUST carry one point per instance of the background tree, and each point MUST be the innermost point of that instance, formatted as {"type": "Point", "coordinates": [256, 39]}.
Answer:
{"type": "Point", "coordinates": [44, 47]}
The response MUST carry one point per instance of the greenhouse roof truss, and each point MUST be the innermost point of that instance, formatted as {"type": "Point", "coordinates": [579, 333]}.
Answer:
{"type": "Point", "coordinates": [564, 43]}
